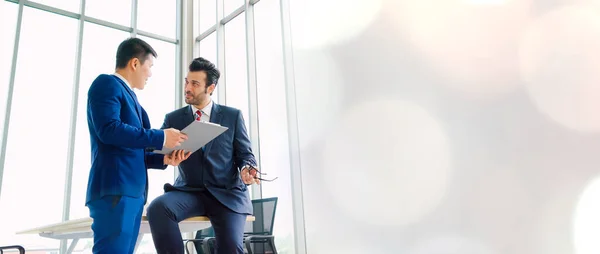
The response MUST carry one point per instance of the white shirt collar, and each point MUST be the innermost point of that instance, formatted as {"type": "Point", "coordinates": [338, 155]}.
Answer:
{"type": "Point", "coordinates": [205, 111]}
{"type": "Point", "coordinates": [124, 80]}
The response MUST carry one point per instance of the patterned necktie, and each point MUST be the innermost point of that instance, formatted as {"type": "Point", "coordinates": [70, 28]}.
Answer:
{"type": "Point", "coordinates": [198, 115]}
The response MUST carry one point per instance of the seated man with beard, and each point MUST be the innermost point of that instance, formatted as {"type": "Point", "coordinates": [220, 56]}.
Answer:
{"type": "Point", "coordinates": [212, 181]}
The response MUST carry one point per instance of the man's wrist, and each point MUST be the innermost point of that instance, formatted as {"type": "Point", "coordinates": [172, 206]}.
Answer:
{"type": "Point", "coordinates": [242, 170]}
{"type": "Point", "coordinates": [247, 166]}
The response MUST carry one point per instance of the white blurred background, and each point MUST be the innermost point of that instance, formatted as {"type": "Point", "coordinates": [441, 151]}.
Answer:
{"type": "Point", "coordinates": [449, 126]}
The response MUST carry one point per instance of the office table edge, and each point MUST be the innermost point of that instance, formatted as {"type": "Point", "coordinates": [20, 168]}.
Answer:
{"type": "Point", "coordinates": [85, 223]}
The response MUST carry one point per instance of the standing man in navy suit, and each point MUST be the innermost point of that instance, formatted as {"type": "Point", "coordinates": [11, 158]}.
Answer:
{"type": "Point", "coordinates": [212, 181]}
{"type": "Point", "coordinates": [119, 136]}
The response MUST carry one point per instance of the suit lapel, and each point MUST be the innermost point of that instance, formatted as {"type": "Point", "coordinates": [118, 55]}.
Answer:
{"type": "Point", "coordinates": [187, 117]}
{"type": "Point", "coordinates": [133, 96]}
{"type": "Point", "coordinates": [215, 117]}
{"type": "Point", "coordinates": [145, 119]}
{"type": "Point", "coordinates": [184, 118]}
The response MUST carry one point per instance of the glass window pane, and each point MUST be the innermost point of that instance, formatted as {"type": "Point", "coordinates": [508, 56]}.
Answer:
{"type": "Point", "coordinates": [40, 111]}
{"type": "Point", "coordinates": [208, 50]}
{"type": "Point", "coordinates": [97, 57]}
{"type": "Point", "coordinates": [68, 5]}
{"type": "Point", "coordinates": [206, 16]}
{"type": "Point", "coordinates": [115, 11]}
{"type": "Point", "coordinates": [272, 115]}
{"type": "Point", "coordinates": [158, 17]}
{"type": "Point", "coordinates": [236, 78]}
{"type": "Point", "coordinates": [232, 5]}
{"type": "Point", "coordinates": [158, 99]}
{"type": "Point", "coordinates": [8, 16]}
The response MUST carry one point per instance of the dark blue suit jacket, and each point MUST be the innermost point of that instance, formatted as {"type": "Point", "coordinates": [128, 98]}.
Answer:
{"type": "Point", "coordinates": [215, 168]}
{"type": "Point", "coordinates": [119, 134]}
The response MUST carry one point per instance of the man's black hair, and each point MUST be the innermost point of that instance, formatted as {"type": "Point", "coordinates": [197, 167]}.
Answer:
{"type": "Point", "coordinates": [133, 48]}
{"type": "Point", "coordinates": [212, 74]}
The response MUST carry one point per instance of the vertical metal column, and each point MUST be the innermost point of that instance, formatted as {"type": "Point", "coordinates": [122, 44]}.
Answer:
{"type": "Point", "coordinates": [9, 97]}
{"type": "Point", "coordinates": [293, 135]}
{"type": "Point", "coordinates": [73, 124]}
{"type": "Point", "coordinates": [253, 121]}
{"type": "Point", "coordinates": [134, 12]}
{"type": "Point", "coordinates": [222, 98]}
{"type": "Point", "coordinates": [185, 49]}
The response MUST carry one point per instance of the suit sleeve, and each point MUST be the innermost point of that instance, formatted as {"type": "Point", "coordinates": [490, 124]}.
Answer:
{"type": "Point", "coordinates": [156, 160]}
{"type": "Point", "coordinates": [105, 108]}
{"type": "Point", "coordinates": [242, 147]}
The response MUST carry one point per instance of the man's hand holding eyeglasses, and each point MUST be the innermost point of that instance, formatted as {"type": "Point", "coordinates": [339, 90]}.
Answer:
{"type": "Point", "coordinates": [248, 175]}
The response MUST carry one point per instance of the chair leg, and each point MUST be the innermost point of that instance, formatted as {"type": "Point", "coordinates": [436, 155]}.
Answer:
{"type": "Point", "coordinates": [272, 242]}
{"type": "Point", "coordinates": [206, 246]}
{"type": "Point", "coordinates": [249, 247]}
{"type": "Point", "coordinates": [185, 246]}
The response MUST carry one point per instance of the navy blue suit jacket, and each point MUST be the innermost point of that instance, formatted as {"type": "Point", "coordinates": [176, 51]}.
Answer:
{"type": "Point", "coordinates": [215, 168]}
{"type": "Point", "coordinates": [119, 134]}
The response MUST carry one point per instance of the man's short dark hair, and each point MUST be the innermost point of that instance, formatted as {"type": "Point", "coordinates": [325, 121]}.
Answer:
{"type": "Point", "coordinates": [212, 74]}
{"type": "Point", "coordinates": [133, 48]}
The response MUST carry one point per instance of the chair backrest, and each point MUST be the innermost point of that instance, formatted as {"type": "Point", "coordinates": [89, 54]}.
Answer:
{"type": "Point", "coordinates": [264, 214]}
{"type": "Point", "coordinates": [207, 232]}
{"type": "Point", "coordinates": [201, 234]}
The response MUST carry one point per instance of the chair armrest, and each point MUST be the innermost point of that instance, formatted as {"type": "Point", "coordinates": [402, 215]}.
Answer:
{"type": "Point", "coordinates": [18, 247]}
{"type": "Point", "coordinates": [193, 240]}
{"type": "Point", "coordinates": [203, 241]}
{"type": "Point", "coordinates": [258, 237]}
{"type": "Point", "coordinates": [249, 240]}
{"type": "Point", "coordinates": [205, 245]}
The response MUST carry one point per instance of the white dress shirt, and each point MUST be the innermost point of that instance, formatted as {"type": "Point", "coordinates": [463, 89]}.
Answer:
{"type": "Point", "coordinates": [205, 112]}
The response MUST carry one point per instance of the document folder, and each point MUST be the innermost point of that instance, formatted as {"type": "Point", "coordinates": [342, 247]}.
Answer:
{"type": "Point", "coordinates": [199, 134]}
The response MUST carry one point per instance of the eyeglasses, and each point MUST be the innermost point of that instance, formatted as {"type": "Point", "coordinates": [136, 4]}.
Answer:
{"type": "Point", "coordinates": [261, 173]}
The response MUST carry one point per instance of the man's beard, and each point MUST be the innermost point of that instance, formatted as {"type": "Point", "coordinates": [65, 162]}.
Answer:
{"type": "Point", "coordinates": [194, 100]}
